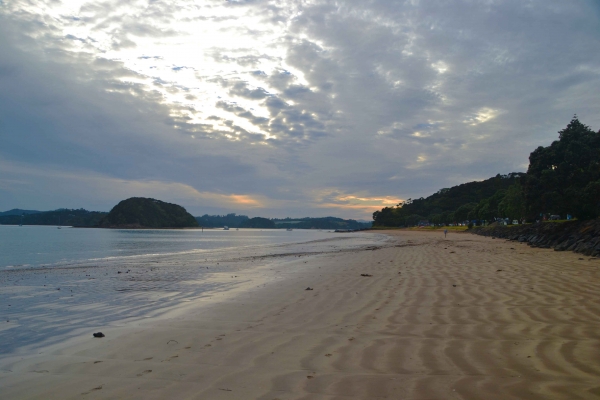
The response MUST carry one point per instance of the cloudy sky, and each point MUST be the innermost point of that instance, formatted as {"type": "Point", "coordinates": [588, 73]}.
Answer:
{"type": "Point", "coordinates": [283, 108]}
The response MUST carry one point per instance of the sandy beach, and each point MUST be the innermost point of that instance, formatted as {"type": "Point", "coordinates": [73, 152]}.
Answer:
{"type": "Point", "coordinates": [466, 317]}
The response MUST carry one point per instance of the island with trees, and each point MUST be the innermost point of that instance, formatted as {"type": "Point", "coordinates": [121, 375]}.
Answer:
{"type": "Point", "coordinates": [141, 212]}
{"type": "Point", "coordinates": [258, 223]}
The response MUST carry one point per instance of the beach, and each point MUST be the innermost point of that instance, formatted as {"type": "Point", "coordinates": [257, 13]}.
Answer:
{"type": "Point", "coordinates": [416, 316]}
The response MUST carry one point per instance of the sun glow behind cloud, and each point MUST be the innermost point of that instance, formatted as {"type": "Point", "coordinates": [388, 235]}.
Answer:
{"type": "Point", "coordinates": [100, 185]}
{"type": "Point", "coordinates": [358, 202]}
{"type": "Point", "coordinates": [186, 51]}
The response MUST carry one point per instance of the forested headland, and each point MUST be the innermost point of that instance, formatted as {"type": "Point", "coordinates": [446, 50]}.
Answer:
{"type": "Point", "coordinates": [562, 179]}
{"type": "Point", "coordinates": [141, 212]}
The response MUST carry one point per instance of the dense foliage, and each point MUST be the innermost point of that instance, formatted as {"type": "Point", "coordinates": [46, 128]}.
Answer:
{"type": "Point", "coordinates": [19, 212]}
{"type": "Point", "coordinates": [320, 223]}
{"type": "Point", "coordinates": [62, 216]}
{"type": "Point", "coordinates": [219, 221]}
{"type": "Point", "coordinates": [258, 222]}
{"type": "Point", "coordinates": [242, 221]}
{"type": "Point", "coordinates": [473, 200]}
{"type": "Point", "coordinates": [563, 178]}
{"type": "Point", "coordinates": [140, 212]}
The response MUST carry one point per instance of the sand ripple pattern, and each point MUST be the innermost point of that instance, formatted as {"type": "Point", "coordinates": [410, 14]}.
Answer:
{"type": "Point", "coordinates": [462, 318]}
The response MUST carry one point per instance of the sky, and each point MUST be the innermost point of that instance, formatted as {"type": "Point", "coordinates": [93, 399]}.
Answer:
{"type": "Point", "coordinates": [281, 108]}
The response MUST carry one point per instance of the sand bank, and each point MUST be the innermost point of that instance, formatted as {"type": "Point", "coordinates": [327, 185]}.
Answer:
{"type": "Point", "coordinates": [464, 318]}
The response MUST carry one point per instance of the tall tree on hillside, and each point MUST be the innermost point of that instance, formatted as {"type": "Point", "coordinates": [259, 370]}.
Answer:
{"type": "Point", "coordinates": [564, 178]}
{"type": "Point", "coordinates": [487, 209]}
{"type": "Point", "coordinates": [513, 203]}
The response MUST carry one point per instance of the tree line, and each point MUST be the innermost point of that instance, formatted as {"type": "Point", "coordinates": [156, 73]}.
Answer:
{"type": "Point", "coordinates": [562, 179]}
{"type": "Point", "coordinates": [63, 216]}
{"type": "Point", "coordinates": [242, 221]}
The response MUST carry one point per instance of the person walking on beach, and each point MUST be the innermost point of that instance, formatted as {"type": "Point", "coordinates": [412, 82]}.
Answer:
{"type": "Point", "coordinates": [445, 232]}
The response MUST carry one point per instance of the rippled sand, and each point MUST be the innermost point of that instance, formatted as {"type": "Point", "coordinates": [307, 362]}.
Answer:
{"type": "Point", "coordinates": [464, 318]}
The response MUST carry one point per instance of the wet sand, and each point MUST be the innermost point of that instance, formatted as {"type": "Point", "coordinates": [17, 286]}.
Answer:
{"type": "Point", "coordinates": [468, 317]}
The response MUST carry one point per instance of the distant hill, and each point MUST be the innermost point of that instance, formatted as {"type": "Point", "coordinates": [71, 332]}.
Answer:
{"type": "Point", "coordinates": [18, 211]}
{"type": "Point", "coordinates": [456, 196]}
{"type": "Point", "coordinates": [320, 223]}
{"type": "Point", "coordinates": [219, 221]}
{"type": "Point", "coordinates": [447, 205]}
{"type": "Point", "coordinates": [63, 216]}
{"type": "Point", "coordinates": [141, 212]}
{"type": "Point", "coordinates": [258, 222]}
{"type": "Point", "coordinates": [242, 221]}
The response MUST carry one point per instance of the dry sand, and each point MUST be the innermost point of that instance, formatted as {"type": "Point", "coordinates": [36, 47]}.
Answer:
{"type": "Point", "coordinates": [464, 318]}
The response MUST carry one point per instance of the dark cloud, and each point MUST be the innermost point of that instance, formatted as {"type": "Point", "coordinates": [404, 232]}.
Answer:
{"type": "Point", "coordinates": [241, 89]}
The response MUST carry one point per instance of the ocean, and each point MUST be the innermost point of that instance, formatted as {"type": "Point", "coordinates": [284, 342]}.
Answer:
{"type": "Point", "coordinates": [33, 246]}
{"type": "Point", "coordinates": [59, 283]}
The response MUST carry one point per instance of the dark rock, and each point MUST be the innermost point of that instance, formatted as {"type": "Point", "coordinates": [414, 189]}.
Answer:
{"type": "Point", "coordinates": [99, 335]}
{"type": "Point", "coordinates": [309, 288]}
{"type": "Point", "coordinates": [578, 236]}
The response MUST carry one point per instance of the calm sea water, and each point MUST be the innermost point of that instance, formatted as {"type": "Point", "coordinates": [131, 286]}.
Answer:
{"type": "Point", "coordinates": [61, 283]}
{"type": "Point", "coordinates": [31, 246]}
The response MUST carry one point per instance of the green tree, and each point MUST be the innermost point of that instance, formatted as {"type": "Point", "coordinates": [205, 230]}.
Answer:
{"type": "Point", "coordinates": [513, 203]}
{"type": "Point", "coordinates": [462, 213]}
{"type": "Point", "coordinates": [488, 209]}
{"type": "Point", "coordinates": [258, 222]}
{"type": "Point", "coordinates": [562, 177]}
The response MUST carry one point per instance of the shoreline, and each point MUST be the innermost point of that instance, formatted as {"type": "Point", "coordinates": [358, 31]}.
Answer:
{"type": "Point", "coordinates": [48, 304]}
{"type": "Point", "coordinates": [464, 318]}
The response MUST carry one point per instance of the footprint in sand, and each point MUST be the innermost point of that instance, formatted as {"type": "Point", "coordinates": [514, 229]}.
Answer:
{"type": "Point", "coordinates": [145, 359]}
{"type": "Point", "coordinates": [92, 390]}
{"type": "Point", "coordinates": [145, 372]}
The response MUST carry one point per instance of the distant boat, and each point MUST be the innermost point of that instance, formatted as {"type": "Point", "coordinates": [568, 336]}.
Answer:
{"type": "Point", "coordinates": [58, 223]}
{"type": "Point", "coordinates": [21, 224]}
{"type": "Point", "coordinates": [289, 229]}
{"type": "Point", "coordinates": [225, 228]}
